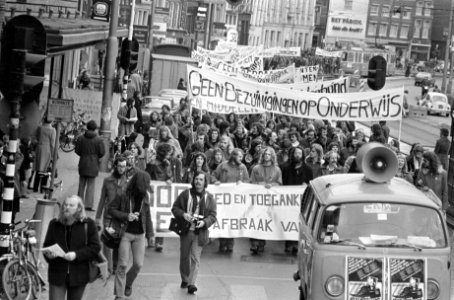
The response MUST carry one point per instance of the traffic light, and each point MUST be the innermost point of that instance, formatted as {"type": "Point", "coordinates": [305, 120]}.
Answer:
{"type": "Point", "coordinates": [376, 75]}
{"type": "Point", "coordinates": [23, 58]}
{"type": "Point", "coordinates": [129, 54]}
{"type": "Point", "coordinates": [234, 2]}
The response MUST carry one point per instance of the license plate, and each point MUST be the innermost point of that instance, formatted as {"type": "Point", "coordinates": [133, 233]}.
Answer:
{"type": "Point", "coordinates": [349, 65]}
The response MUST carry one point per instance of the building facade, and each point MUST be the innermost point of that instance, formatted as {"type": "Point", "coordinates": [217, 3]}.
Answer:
{"type": "Point", "coordinates": [320, 19]}
{"type": "Point", "coordinates": [440, 28]}
{"type": "Point", "coordinates": [282, 23]}
{"type": "Point", "coordinates": [404, 24]}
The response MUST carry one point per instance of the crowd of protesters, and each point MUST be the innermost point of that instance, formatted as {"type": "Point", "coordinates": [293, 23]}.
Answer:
{"type": "Point", "coordinates": [268, 150]}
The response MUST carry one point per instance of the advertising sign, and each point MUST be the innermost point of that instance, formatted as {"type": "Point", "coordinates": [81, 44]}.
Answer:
{"type": "Point", "coordinates": [141, 34]}
{"type": "Point", "coordinates": [408, 278]}
{"type": "Point", "coordinates": [101, 10]}
{"type": "Point", "coordinates": [60, 110]}
{"type": "Point", "coordinates": [351, 27]}
{"type": "Point", "coordinates": [365, 278]}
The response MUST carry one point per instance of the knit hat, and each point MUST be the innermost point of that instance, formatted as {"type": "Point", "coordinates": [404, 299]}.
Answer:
{"type": "Point", "coordinates": [91, 125]}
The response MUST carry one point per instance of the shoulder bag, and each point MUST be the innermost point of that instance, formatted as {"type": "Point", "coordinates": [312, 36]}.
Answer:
{"type": "Point", "coordinates": [97, 266]}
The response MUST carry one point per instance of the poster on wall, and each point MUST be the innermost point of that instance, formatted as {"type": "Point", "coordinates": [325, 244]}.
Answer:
{"type": "Point", "coordinates": [365, 278]}
{"type": "Point", "coordinates": [408, 280]}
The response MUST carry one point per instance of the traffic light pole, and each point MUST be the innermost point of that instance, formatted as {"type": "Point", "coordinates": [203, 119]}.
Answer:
{"type": "Point", "coordinates": [130, 34]}
{"type": "Point", "coordinates": [16, 89]}
{"type": "Point", "coordinates": [109, 79]}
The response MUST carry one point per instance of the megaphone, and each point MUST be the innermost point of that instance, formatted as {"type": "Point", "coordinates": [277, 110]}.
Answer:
{"type": "Point", "coordinates": [377, 162]}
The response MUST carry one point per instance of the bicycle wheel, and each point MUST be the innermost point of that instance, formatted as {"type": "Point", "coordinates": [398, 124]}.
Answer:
{"type": "Point", "coordinates": [35, 281]}
{"type": "Point", "coordinates": [67, 141]}
{"type": "Point", "coordinates": [16, 281]}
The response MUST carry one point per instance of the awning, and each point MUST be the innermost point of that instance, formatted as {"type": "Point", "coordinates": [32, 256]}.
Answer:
{"type": "Point", "coordinates": [65, 34]}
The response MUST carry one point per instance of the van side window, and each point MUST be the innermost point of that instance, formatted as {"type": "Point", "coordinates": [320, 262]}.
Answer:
{"type": "Point", "coordinates": [316, 212]}
{"type": "Point", "coordinates": [306, 203]}
{"type": "Point", "coordinates": [313, 212]}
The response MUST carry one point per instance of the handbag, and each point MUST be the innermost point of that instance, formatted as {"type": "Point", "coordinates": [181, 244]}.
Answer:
{"type": "Point", "coordinates": [97, 267]}
{"type": "Point", "coordinates": [179, 227]}
{"type": "Point", "coordinates": [111, 237]}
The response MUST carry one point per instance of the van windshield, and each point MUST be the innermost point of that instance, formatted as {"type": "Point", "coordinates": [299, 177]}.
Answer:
{"type": "Point", "coordinates": [382, 225]}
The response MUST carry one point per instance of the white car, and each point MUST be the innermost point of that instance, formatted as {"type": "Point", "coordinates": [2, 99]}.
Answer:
{"type": "Point", "coordinates": [436, 103]}
{"type": "Point", "coordinates": [175, 94]}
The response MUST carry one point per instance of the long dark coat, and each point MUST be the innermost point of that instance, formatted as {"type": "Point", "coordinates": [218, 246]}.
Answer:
{"type": "Point", "coordinates": [46, 136]}
{"type": "Point", "coordinates": [90, 148]}
{"type": "Point", "coordinates": [57, 233]}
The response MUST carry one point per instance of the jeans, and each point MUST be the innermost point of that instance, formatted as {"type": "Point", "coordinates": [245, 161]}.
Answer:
{"type": "Point", "coordinates": [59, 292]}
{"type": "Point", "coordinates": [190, 253]}
{"type": "Point", "coordinates": [135, 243]}
{"type": "Point", "coordinates": [87, 190]}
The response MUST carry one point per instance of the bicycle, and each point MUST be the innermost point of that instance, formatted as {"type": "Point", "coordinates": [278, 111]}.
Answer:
{"type": "Point", "coordinates": [71, 132]}
{"type": "Point", "coordinates": [20, 277]}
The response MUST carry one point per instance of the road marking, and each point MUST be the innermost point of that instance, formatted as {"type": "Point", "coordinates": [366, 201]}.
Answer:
{"type": "Point", "coordinates": [219, 276]}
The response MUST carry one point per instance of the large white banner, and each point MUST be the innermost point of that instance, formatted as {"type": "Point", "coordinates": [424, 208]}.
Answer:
{"type": "Point", "coordinates": [205, 85]}
{"type": "Point", "coordinates": [243, 210]}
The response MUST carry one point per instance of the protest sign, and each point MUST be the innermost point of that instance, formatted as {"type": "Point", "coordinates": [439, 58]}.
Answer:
{"type": "Point", "coordinates": [271, 76]}
{"type": "Point", "coordinates": [326, 53]}
{"type": "Point", "coordinates": [339, 85]}
{"type": "Point", "coordinates": [243, 210]}
{"type": "Point", "coordinates": [204, 85]}
{"type": "Point", "coordinates": [306, 74]}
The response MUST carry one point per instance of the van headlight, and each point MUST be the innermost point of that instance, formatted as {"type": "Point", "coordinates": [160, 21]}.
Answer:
{"type": "Point", "coordinates": [334, 286]}
{"type": "Point", "coordinates": [433, 289]}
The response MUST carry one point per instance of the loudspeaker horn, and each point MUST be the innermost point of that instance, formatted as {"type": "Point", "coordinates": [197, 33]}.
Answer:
{"type": "Point", "coordinates": [377, 162]}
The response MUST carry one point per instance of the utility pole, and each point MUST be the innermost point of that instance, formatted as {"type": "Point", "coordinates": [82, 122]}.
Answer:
{"type": "Point", "coordinates": [109, 79]}
{"type": "Point", "coordinates": [151, 44]}
{"type": "Point", "coordinates": [208, 26]}
{"type": "Point", "coordinates": [448, 46]}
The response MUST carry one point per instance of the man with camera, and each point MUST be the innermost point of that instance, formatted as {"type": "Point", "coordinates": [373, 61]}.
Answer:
{"type": "Point", "coordinates": [195, 210]}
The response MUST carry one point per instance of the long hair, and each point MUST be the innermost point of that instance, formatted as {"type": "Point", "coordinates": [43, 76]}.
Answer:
{"type": "Point", "coordinates": [193, 166]}
{"type": "Point", "coordinates": [433, 160]}
{"type": "Point", "coordinates": [169, 134]}
{"type": "Point", "coordinates": [212, 163]}
{"type": "Point", "coordinates": [273, 155]}
{"type": "Point", "coordinates": [139, 184]}
{"type": "Point", "coordinates": [79, 215]}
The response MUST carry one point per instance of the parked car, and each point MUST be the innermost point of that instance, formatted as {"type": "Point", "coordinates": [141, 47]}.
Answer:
{"type": "Point", "coordinates": [154, 103]}
{"type": "Point", "coordinates": [421, 76]}
{"type": "Point", "coordinates": [372, 235]}
{"type": "Point", "coordinates": [436, 103]}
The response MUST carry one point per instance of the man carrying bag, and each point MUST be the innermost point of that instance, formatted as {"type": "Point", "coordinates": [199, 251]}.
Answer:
{"type": "Point", "coordinates": [197, 207]}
